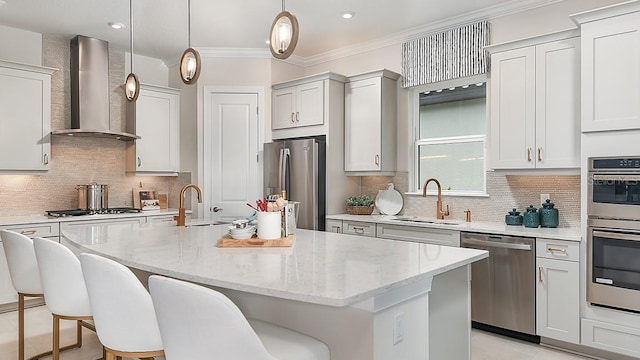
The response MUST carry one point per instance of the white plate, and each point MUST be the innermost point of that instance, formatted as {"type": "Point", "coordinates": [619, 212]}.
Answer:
{"type": "Point", "coordinates": [389, 202]}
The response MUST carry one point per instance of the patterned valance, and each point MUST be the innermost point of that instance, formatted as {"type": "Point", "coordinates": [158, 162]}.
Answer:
{"type": "Point", "coordinates": [447, 55]}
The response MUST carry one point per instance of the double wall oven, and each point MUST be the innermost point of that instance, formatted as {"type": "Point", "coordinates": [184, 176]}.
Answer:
{"type": "Point", "coordinates": [613, 233]}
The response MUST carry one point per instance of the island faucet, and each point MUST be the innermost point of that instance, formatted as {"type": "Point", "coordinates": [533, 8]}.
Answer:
{"type": "Point", "coordinates": [181, 218]}
{"type": "Point", "coordinates": [439, 213]}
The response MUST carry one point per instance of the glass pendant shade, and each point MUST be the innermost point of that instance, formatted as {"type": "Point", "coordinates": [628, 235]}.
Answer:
{"type": "Point", "coordinates": [190, 66]}
{"type": "Point", "coordinates": [284, 35]}
{"type": "Point", "coordinates": [132, 87]}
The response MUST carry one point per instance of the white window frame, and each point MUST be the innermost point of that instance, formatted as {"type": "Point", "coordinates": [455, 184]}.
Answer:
{"type": "Point", "coordinates": [414, 132]}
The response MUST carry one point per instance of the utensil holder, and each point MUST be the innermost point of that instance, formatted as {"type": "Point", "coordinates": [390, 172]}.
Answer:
{"type": "Point", "coordinates": [269, 225]}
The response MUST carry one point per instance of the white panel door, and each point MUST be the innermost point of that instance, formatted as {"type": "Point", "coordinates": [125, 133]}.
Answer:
{"type": "Point", "coordinates": [558, 104]}
{"type": "Point", "coordinates": [283, 108]}
{"type": "Point", "coordinates": [234, 155]}
{"type": "Point", "coordinates": [513, 97]}
{"type": "Point", "coordinates": [310, 104]}
{"type": "Point", "coordinates": [362, 127]}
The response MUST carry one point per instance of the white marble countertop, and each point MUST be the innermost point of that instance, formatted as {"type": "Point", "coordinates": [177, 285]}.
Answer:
{"type": "Point", "coordinates": [321, 268]}
{"type": "Point", "coordinates": [43, 218]}
{"type": "Point", "coordinates": [570, 234]}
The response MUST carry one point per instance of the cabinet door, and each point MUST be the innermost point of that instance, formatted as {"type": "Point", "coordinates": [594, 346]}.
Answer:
{"type": "Point", "coordinates": [610, 73]}
{"type": "Point", "coordinates": [25, 119]}
{"type": "Point", "coordinates": [558, 104]}
{"type": "Point", "coordinates": [334, 226]}
{"type": "Point", "coordinates": [310, 104]}
{"type": "Point", "coordinates": [157, 123]}
{"type": "Point", "coordinates": [513, 109]}
{"type": "Point", "coordinates": [283, 108]}
{"type": "Point", "coordinates": [558, 300]}
{"type": "Point", "coordinates": [359, 228]}
{"type": "Point", "coordinates": [363, 104]}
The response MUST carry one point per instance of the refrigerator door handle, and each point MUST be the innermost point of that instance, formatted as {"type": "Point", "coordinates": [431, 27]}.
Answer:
{"type": "Point", "coordinates": [282, 168]}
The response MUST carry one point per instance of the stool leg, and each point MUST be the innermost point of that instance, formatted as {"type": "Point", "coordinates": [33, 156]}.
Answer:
{"type": "Point", "coordinates": [56, 337]}
{"type": "Point", "coordinates": [20, 326]}
{"type": "Point", "coordinates": [79, 333]}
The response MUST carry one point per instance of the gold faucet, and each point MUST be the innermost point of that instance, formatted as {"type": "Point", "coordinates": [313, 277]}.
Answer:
{"type": "Point", "coordinates": [439, 213]}
{"type": "Point", "coordinates": [181, 218]}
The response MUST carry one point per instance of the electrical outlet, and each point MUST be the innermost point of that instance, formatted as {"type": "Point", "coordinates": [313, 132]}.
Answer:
{"type": "Point", "coordinates": [398, 328]}
{"type": "Point", "coordinates": [543, 198]}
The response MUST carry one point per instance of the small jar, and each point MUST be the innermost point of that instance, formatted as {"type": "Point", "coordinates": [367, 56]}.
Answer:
{"type": "Point", "coordinates": [513, 218]}
{"type": "Point", "coordinates": [549, 216]}
{"type": "Point", "coordinates": [531, 217]}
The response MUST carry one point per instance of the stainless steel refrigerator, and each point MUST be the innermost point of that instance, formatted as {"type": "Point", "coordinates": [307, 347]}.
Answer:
{"type": "Point", "coordinates": [299, 166]}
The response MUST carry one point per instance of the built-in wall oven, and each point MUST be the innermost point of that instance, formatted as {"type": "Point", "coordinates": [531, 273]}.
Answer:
{"type": "Point", "coordinates": [613, 233]}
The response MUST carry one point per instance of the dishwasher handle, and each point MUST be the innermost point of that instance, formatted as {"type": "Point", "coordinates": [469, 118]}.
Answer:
{"type": "Point", "coordinates": [496, 244]}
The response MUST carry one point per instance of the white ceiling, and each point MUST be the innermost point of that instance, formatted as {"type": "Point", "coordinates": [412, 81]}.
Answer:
{"type": "Point", "coordinates": [160, 26]}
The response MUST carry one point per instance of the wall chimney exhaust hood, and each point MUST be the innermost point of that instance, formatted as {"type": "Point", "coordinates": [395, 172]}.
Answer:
{"type": "Point", "coordinates": [90, 91]}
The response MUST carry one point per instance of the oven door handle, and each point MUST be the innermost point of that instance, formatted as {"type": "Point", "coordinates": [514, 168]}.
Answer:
{"type": "Point", "coordinates": [616, 177]}
{"type": "Point", "coordinates": [613, 235]}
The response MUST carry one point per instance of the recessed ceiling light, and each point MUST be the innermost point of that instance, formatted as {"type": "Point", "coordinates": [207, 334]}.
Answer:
{"type": "Point", "coordinates": [115, 25]}
{"type": "Point", "coordinates": [348, 14]}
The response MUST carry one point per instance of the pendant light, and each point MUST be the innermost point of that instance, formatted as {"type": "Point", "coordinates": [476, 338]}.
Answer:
{"type": "Point", "coordinates": [132, 84]}
{"type": "Point", "coordinates": [190, 61]}
{"type": "Point", "coordinates": [284, 34]}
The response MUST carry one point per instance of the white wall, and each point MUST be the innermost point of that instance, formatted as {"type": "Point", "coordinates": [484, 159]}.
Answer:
{"type": "Point", "coordinates": [149, 70]}
{"type": "Point", "coordinates": [20, 46]}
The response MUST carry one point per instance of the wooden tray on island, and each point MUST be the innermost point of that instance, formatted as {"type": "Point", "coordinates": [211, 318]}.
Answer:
{"type": "Point", "coordinates": [228, 241]}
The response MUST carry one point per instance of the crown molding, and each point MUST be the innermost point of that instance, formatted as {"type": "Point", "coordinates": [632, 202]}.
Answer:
{"type": "Point", "coordinates": [488, 13]}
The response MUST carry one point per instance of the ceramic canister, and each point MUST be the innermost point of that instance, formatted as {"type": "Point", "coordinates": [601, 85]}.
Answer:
{"type": "Point", "coordinates": [531, 217]}
{"type": "Point", "coordinates": [549, 216]}
{"type": "Point", "coordinates": [513, 218]}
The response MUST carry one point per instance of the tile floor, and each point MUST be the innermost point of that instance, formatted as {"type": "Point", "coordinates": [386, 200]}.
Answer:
{"type": "Point", "coordinates": [484, 345]}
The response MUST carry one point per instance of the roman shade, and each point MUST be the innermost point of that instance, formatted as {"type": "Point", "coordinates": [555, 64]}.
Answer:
{"type": "Point", "coordinates": [447, 55]}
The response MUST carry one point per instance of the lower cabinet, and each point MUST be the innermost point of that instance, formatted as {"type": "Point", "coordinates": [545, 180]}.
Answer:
{"type": "Point", "coordinates": [558, 290]}
{"type": "Point", "coordinates": [611, 337]}
{"type": "Point", "coordinates": [334, 226]}
{"type": "Point", "coordinates": [359, 228]}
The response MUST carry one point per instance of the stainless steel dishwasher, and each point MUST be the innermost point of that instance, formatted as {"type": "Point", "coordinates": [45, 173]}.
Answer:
{"type": "Point", "coordinates": [503, 293]}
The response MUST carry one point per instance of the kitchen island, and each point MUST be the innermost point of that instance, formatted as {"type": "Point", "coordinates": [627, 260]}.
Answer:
{"type": "Point", "coordinates": [366, 298]}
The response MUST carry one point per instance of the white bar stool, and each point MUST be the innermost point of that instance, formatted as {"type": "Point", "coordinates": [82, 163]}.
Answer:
{"type": "Point", "coordinates": [201, 323]}
{"type": "Point", "coordinates": [64, 291]}
{"type": "Point", "coordinates": [122, 309]}
{"type": "Point", "coordinates": [25, 277]}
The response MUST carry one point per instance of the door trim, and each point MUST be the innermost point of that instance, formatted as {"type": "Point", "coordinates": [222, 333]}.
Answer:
{"type": "Point", "coordinates": [204, 137]}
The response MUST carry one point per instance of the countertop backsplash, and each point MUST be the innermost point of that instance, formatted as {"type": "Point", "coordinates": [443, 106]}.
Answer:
{"type": "Point", "coordinates": [505, 192]}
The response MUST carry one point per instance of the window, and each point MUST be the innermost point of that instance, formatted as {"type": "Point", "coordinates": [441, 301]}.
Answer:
{"type": "Point", "coordinates": [450, 139]}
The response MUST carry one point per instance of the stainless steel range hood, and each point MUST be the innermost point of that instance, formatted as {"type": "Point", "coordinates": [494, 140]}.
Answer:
{"type": "Point", "coordinates": [90, 91]}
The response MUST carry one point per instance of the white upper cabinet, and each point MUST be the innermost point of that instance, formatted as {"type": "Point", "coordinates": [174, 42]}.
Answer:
{"type": "Point", "coordinates": [535, 103]}
{"type": "Point", "coordinates": [308, 106]}
{"type": "Point", "coordinates": [25, 117]}
{"type": "Point", "coordinates": [298, 105]}
{"type": "Point", "coordinates": [370, 123]}
{"type": "Point", "coordinates": [610, 68]}
{"type": "Point", "coordinates": [155, 117]}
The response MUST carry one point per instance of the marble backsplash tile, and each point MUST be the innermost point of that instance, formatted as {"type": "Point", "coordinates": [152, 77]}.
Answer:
{"type": "Point", "coordinates": [504, 193]}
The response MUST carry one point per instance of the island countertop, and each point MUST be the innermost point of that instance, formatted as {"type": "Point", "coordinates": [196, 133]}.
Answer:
{"type": "Point", "coordinates": [321, 267]}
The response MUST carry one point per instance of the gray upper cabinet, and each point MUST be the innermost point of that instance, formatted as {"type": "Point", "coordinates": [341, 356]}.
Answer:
{"type": "Point", "coordinates": [25, 117]}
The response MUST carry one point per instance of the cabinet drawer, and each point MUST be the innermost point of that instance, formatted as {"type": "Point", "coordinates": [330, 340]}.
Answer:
{"type": "Point", "coordinates": [611, 337]}
{"type": "Point", "coordinates": [419, 234]}
{"type": "Point", "coordinates": [35, 230]}
{"type": "Point", "coordinates": [334, 226]}
{"type": "Point", "coordinates": [359, 228]}
{"type": "Point", "coordinates": [557, 249]}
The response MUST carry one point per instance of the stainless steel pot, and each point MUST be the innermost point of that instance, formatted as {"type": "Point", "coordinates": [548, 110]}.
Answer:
{"type": "Point", "coordinates": [93, 196]}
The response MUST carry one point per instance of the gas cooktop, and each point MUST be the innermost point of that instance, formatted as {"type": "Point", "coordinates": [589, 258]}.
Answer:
{"type": "Point", "coordinates": [80, 212]}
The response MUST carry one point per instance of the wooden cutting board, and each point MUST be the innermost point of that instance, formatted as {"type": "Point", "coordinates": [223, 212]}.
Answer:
{"type": "Point", "coordinates": [228, 241]}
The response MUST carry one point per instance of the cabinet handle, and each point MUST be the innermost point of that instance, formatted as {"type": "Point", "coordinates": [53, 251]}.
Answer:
{"type": "Point", "coordinates": [46, 159]}
{"type": "Point", "coordinates": [540, 274]}
{"type": "Point", "coordinates": [297, 116]}
{"type": "Point", "coordinates": [540, 153]}
{"type": "Point", "coordinates": [293, 119]}
{"type": "Point", "coordinates": [27, 232]}
{"type": "Point", "coordinates": [358, 230]}
{"type": "Point", "coordinates": [529, 154]}
{"type": "Point", "coordinates": [554, 250]}
{"type": "Point", "coordinates": [377, 159]}
{"type": "Point", "coordinates": [337, 229]}
{"type": "Point", "coordinates": [139, 162]}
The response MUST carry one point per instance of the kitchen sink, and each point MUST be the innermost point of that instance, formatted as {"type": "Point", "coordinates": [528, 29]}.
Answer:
{"type": "Point", "coordinates": [420, 220]}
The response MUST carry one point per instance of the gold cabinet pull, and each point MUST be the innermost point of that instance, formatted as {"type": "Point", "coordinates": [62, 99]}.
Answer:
{"type": "Point", "coordinates": [540, 153]}
{"type": "Point", "coordinates": [46, 159]}
{"type": "Point", "coordinates": [529, 154]}
{"type": "Point", "coordinates": [139, 161]}
{"type": "Point", "coordinates": [377, 159]}
{"type": "Point", "coordinates": [297, 116]}
{"type": "Point", "coordinates": [540, 274]}
{"type": "Point", "coordinates": [556, 250]}
{"type": "Point", "coordinates": [358, 230]}
{"type": "Point", "coordinates": [27, 232]}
